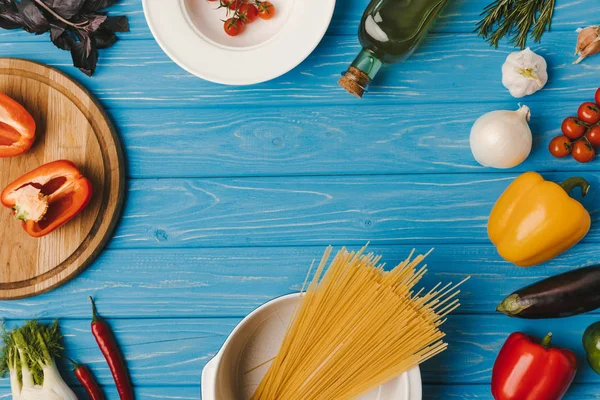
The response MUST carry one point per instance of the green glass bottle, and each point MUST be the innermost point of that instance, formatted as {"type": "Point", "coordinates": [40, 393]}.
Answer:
{"type": "Point", "coordinates": [389, 32]}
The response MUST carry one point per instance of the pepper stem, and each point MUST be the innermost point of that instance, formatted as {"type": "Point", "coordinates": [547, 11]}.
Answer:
{"type": "Point", "coordinates": [546, 341]}
{"type": "Point", "coordinates": [95, 316]}
{"type": "Point", "coordinates": [76, 365]}
{"type": "Point", "coordinates": [574, 182]}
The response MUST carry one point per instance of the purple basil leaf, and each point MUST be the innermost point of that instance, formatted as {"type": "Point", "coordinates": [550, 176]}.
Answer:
{"type": "Point", "coordinates": [56, 30]}
{"type": "Point", "coordinates": [65, 41]}
{"type": "Point", "coordinates": [104, 38]}
{"type": "Point", "coordinates": [97, 5]}
{"type": "Point", "coordinates": [65, 8]}
{"type": "Point", "coordinates": [11, 20]}
{"type": "Point", "coordinates": [94, 22]}
{"type": "Point", "coordinates": [117, 24]}
{"type": "Point", "coordinates": [85, 55]}
{"type": "Point", "coordinates": [34, 20]}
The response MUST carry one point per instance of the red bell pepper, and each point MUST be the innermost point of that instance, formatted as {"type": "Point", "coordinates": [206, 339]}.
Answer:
{"type": "Point", "coordinates": [527, 369]}
{"type": "Point", "coordinates": [48, 197]}
{"type": "Point", "coordinates": [17, 128]}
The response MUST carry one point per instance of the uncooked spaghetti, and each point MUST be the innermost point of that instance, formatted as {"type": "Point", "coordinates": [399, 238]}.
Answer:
{"type": "Point", "coordinates": [356, 328]}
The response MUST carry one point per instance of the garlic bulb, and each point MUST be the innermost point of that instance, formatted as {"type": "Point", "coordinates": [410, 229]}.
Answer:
{"type": "Point", "coordinates": [501, 139]}
{"type": "Point", "coordinates": [524, 73]}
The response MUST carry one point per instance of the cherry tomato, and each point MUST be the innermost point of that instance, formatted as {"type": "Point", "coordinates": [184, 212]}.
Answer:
{"type": "Point", "coordinates": [573, 128]}
{"type": "Point", "coordinates": [560, 146]}
{"type": "Point", "coordinates": [589, 112]}
{"type": "Point", "coordinates": [233, 26]}
{"type": "Point", "coordinates": [248, 13]}
{"type": "Point", "coordinates": [583, 151]}
{"type": "Point", "coordinates": [598, 96]}
{"type": "Point", "coordinates": [594, 136]}
{"type": "Point", "coordinates": [266, 10]}
{"type": "Point", "coordinates": [231, 4]}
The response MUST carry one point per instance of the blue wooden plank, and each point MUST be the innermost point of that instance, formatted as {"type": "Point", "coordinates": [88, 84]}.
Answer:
{"type": "Point", "coordinates": [231, 282]}
{"type": "Point", "coordinates": [412, 209]}
{"type": "Point", "coordinates": [452, 392]}
{"type": "Point", "coordinates": [172, 352]}
{"type": "Point", "coordinates": [460, 16]}
{"type": "Point", "coordinates": [449, 68]}
{"type": "Point", "coordinates": [159, 352]}
{"type": "Point", "coordinates": [474, 342]}
{"type": "Point", "coordinates": [142, 393]}
{"type": "Point", "coordinates": [430, 392]}
{"type": "Point", "coordinates": [329, 140]}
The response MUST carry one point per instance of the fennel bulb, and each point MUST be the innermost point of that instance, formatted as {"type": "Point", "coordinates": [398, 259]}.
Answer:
{"type": "Point", "coordinates": [28, 357]}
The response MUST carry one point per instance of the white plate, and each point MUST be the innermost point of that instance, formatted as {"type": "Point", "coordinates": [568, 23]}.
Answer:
{"type": "Point", "coordinates": [191, 33]}
{"type": "Point", "coordinates": [232, 373]}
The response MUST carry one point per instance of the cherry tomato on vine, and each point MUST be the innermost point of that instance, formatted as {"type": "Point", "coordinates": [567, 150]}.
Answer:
{"type": "Point", "coordinates": [583, 151]}
{"type": "Point", "coordinates": [589, 112]}
{"type": "Point", "coordinates": [231, 4]}
{"type": "Point", "coordinates": [573, 128]}
{"type": "Point", "coordinates": [594, 136]}
{"type": "Point", "coordinates": [560, 146]}
{"type": "Point", "coordinates": [248, 13]}
{"type": "Point", "coordinates": [598, 96]}
{"type": "Point", "coordinates": [233, 26]}
{"type": "Point", "coordinates": [266, 10]}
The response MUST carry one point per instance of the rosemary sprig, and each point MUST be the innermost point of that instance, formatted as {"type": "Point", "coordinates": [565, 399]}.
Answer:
{"type": "Point", "coordinates": [515, 18]}
{"type": "Point", "coordinates": [544, 21]}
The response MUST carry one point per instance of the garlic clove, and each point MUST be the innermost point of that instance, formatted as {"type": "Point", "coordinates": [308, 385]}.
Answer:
{"type": "Point", "coordinates": [588, 43]}
{"type": "Point", "coordinates": [590, 50]}
{"type": "Point", "coordinates": [586, 37]}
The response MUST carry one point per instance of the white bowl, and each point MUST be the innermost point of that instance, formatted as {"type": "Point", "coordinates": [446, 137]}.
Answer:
{"type": "Point", "coordinates": [256, 340]}
{"type": "Point", "coordinates": [191, 33]}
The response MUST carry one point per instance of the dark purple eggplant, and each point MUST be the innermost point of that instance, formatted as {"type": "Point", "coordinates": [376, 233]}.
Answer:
{"type": "Point", "coordinates": [572, 293]}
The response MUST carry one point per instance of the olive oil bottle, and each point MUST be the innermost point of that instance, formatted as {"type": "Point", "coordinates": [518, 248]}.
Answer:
{"type": "Point", "coordinates": [390, 30]}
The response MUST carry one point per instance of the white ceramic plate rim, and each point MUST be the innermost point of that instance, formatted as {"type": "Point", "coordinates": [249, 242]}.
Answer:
{"type": "Point", "coordinates": [211, 369]}
{"type": "Point", "coordinates": [297, 39]}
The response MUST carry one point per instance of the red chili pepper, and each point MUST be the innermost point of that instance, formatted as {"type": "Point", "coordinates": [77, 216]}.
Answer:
{"type": "Point", "coordinates": [529, 370]}
{"type": "Point", "coordinates": [48, 197]}
{"type": "Point", "coordinates": [17, 128]}
{"type": "Point", "coordinates": [85, 377]}
{"type": "Point", "coordinates": [108, 345]}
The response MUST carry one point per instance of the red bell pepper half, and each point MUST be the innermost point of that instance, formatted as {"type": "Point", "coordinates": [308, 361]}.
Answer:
{"type": "Point", "coordinates": [17, 128]}
{"type": "Point", "coordinates": [48, 197]}
{"type": "Point", "coordinates": [527, 369]}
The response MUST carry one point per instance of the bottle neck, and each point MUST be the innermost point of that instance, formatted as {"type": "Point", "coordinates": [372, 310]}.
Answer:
{"type": "Point", "coordinates": [367, 63]}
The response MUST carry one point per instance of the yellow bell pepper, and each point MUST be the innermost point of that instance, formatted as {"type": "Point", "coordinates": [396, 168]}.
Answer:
{"type": "Point", "coordinates": [535, 220]}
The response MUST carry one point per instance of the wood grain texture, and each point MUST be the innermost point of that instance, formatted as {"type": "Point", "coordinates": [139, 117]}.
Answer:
{"type": "Point", "coordinates": [327, 140]}
{"type": "Point", "coordinates": [225, 282]}
{"type": "Point", "coordinates": [482, 392]}
{"type": "Point", "coordinates": [442, 71]}
{"type": "Point", "coordinates": [176, 294]}
{"type": "Point", "coordinates": [412, 209]}
{"type": "Point", "coordinates": [172, 352]}
{"type": "Point", "coordinates": [71, 126]}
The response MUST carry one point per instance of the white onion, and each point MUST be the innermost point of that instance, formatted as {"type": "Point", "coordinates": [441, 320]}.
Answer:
{"type": "Point", "coordinates": [501, 139]}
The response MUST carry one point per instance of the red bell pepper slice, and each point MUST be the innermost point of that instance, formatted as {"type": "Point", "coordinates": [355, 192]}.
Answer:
{"type": "Point", "coordinates": [17, 128]}
{"type": "Point", "coordinates": [48, 197]}
{"type": "Point", "coordinates": [529, 370]}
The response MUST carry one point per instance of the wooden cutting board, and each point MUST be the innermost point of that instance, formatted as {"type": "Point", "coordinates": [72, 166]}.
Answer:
{"type": "Point", "coordinates": [70, 125]}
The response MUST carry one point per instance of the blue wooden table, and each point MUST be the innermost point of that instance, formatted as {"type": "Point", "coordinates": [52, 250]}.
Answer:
{"type": "Point", "coordinates": [234, 190]}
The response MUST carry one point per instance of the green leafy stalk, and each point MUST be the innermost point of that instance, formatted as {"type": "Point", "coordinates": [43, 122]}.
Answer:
{"type": "Point", "coordinates": [38, 343]}
{"type": "Point", "coordinates": [515, 18]}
